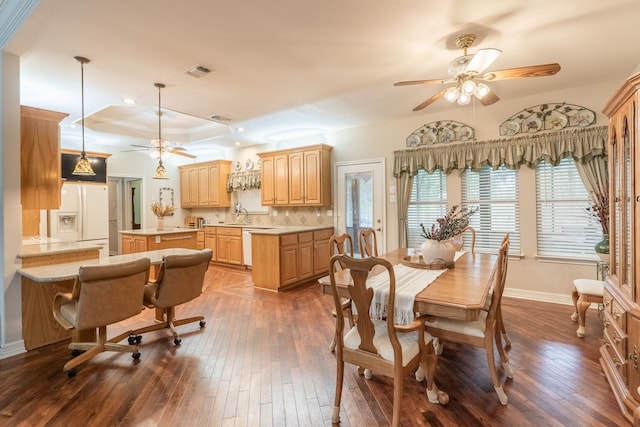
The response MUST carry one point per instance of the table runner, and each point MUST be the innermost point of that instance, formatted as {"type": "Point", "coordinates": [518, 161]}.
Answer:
{"type": "Point", "coordinates": [409, 283]}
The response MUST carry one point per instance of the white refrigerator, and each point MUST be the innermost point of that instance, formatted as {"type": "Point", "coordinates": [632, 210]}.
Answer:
{"type": "Point", "coordinates": [83, 215]}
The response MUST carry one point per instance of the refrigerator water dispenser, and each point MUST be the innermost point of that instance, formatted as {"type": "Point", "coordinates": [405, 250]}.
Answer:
{"type": "Point", "coordinates": [67, 222]}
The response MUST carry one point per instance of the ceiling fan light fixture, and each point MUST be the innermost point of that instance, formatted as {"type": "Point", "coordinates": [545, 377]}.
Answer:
{"type": "Point", "coordinates": [451, 94]}
{"type": "Point", "coordinates": [464, 98]}
{"type": "Point", "coordinates": [468, 87]}
{"type": "Point", "coordinates": [481, 90]}
{"type": "Point", "coordinates": [83, 167]}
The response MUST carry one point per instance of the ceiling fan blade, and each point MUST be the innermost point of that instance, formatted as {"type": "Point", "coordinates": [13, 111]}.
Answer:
{"type": "Point", "coordinates": [182, 153]}
{"type": "Point", "coordinates": [490, 98]}
{"type": "Point", "coordinates": [516, 73]}
{"type": "Point", "coordinates": [430, 101]}
{"type": "Point", "coordinates": [482, 59]}
{"type": "Point", "coordinates": [424, 82]}
{"type": "Point", "coordinates": [148, 147]}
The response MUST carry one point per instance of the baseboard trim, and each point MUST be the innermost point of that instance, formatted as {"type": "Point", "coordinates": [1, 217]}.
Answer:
{"type": "Point", "coordinates": [12, 349]}
{"type": "Point", "coordinates": [538, 296]}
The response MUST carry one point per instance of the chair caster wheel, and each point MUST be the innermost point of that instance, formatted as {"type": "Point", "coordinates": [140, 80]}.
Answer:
{"type": "Point", "coordinates": [177, 341]}
{"type": "Point", "coordinates": [136, 355]}
{"type": "Point", "coordinates": [75, 353]}
{"type": "Point", "coordinates": [72, 373]}
{"type": "Point", "coordinates": [202, 323]}
{"type": "Point", "coordinates": [134, 339]}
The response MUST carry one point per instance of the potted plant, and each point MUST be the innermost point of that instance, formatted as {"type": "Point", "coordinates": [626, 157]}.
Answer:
{"type": "Point", "coordinates": [160, 211]}
{"type": "Point", "coordinates": [599, 212]}
{"type": "Point", "coordinates": [438, 248]}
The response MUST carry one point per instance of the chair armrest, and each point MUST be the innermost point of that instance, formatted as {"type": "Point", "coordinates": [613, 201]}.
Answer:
{"type": "Point", "coordinates": [59, 299]}
{"type": "Point", "coordinates": [413, 326]}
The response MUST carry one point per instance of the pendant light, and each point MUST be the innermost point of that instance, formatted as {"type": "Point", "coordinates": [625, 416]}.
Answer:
{"type": "Point", "coordinates": [161, 172]}
{"type": "Point", "coordinates": [83, 167]}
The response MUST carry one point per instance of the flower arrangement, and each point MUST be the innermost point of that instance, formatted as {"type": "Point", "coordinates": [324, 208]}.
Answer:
{"type": "Point", "coordinates": [599, 211]}
{"type": "Point", "coordinates": [453, 223]}
{"type": "Point", "coordinates": [160, 210]}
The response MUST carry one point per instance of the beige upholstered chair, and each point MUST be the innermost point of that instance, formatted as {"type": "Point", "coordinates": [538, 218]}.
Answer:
{"type": "Point", "coordinates": [102, 295]}
{"type": "Point", "coordinates": [481, 332]}
{"type": "Point", "coordinates": [368, 243]}
{"type": "Point", "coordinates": [179, 281]}
{"type": "Point", "coordinates": [380, 346]}
{"type": "Point", "coordinates": [585, 291]}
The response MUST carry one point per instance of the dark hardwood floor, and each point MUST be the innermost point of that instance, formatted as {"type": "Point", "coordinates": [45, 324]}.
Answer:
{"type": "Point", "coordinates": [263, 360]}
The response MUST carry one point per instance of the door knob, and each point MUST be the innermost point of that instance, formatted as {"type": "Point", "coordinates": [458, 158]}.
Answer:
{"type": "Point", "coordinates": [379, 229]}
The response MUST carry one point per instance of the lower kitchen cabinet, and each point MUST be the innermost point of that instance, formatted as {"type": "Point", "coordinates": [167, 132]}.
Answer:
{"type": "Point", "coordinates": [285, 260]}
{"type": "Point", "coordinates": [229, 245]}
{"type": "Point", "coordinates": [141, 242]}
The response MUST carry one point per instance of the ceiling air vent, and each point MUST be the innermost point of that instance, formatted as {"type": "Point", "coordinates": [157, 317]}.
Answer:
{"type": "Point", "coordinates": [197, 71]}
{"type": "Point", "coordinates": [221, 119]}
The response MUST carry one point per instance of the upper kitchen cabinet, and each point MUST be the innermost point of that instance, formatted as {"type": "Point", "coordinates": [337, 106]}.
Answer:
{"type": "Point", "coordinates": [40, 158]}
{"type": "Point", "coordinates": [297, 177]}
{"type": "Point", "coordinates": [204, 184]}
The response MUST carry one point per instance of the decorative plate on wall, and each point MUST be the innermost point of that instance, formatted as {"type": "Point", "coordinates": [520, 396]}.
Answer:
{"type": "Point", "coordinates": [248, 165]}
{"type": "Point", "coordinates": [237, 166]}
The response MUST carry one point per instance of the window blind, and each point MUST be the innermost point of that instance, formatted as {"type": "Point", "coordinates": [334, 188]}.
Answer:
{"type": "Point", "coordinates": [564, 228]}
{"type": "Point", "coordinates": [495, 194]}
{"type": "Point", "coordinates": [428, 202]}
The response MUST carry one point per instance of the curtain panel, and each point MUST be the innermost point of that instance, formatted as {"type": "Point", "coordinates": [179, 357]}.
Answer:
{"type": "Point", "coordinates": [582, 145]}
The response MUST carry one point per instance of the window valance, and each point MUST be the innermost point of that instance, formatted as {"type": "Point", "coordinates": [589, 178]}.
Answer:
{"type": "Point", "coordinates": [582, 145]}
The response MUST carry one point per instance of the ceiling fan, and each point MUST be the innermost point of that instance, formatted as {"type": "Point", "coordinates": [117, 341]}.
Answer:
{"type": "Point", "coordinates": [167, 148]}
{"type": "Point", "coordinates": [467, 73]}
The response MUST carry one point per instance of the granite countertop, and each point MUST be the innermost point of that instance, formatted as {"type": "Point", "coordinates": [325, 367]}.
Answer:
{"type": "Point", "coordinates": [255, 228]}
{"type": "Point", "coordinates": [30, 250]}
{"type": "Point", "coordinates": [286, 229]}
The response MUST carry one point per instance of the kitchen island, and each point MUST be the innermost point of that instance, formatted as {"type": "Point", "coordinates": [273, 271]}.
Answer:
{"type": "Point", "coordinates": [287, 256]}
{"type": "Point", "coordinates": [151, 239]}
{"type": "Point", "coordinates": [39, 328]}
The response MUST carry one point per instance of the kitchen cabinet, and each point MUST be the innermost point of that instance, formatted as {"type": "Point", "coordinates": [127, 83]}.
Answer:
{"type": "Point", "coordinates": [132, 244]}
{"type": "Point", "coordinates": [229, 245]}
{"type": "Point", "coordinates": [141, 241]}
{"type": "Point", "coordinates": [40, 167]}
{"type": "Point", "coordinates": [284, 260]}
{"type": "Point", "coordinates": [210, 241]}
{"type": "Point", "coordinates": [204, 184]}
{"type": "Point", "coordinates": [274, 179]}
{"type": "Point", "coordinates": [321, 251]}
{"type": "Point", "coordinates": [619, 354]}
{"type": "Point", "coordinates": [199, 240]}
{"type": "Point", "coordinates": [297, 177]}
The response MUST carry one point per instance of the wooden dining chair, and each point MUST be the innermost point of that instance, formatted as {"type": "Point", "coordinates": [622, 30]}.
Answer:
{"type": "Point", "coordinates": [380, 346]}
{"type": "Point", "coordinates": [481, 332]}
{"type": "Point", "coordinates": [368, 243]}
{"type": "Point", "coordinates": [341, 244]}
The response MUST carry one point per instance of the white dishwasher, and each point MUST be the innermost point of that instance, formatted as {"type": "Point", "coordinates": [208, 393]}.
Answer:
{"type": "Point", "coordinates": [246, 245]}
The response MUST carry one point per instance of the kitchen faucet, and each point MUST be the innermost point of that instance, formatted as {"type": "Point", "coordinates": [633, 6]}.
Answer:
{"type": "Point", "coordinates": [238, 212]}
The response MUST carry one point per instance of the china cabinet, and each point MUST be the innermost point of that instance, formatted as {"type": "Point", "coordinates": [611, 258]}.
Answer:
{"type": "Point", "coordinates": [621, 346]}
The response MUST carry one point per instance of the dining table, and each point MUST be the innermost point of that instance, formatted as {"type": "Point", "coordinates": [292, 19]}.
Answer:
{"type": "Point", "coordinates": [458, 293]}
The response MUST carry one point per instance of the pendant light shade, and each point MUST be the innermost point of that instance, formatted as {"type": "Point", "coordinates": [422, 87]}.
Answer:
{"type": "Point", "coordinates": [83, 167]}
{"type": "Point", "coordinates": [161, 172]}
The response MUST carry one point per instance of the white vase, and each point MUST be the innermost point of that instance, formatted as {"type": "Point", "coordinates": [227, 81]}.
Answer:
{"type": "Point", "coordinates": [160, 224]}
{"type": "Point", "coordinates": [438, 252]}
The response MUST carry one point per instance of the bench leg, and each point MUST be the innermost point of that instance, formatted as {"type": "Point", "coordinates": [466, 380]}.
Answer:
{"type": "Point", "coordinates": [582, 307]}
{"type": "Point", "coordinates": [574, 297]}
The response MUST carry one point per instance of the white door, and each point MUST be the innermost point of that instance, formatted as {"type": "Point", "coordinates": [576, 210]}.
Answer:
{"type": "Point", "coordinates": [360, 200]}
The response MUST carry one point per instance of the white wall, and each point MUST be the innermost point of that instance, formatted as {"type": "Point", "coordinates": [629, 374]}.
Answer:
{"type": "Point", "coordinates": [528, 277]}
